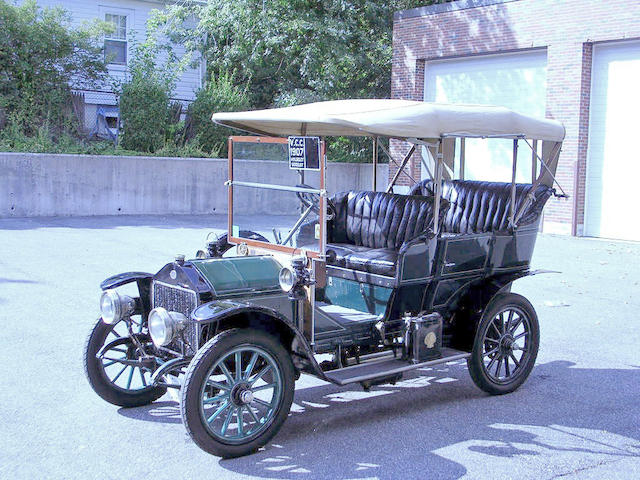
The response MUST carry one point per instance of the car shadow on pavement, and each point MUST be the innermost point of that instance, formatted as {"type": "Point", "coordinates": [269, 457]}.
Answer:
{"type": "Point", "coordinates": [213, 221]}
{"type": "Point", "coordinates": [161, 411]}
{"type": "Point", "coordinates": [439, 425]}
{"type": "Point", "coordinates": [19, 281]}
{"type": "Point", "coordinates": [116, 221]}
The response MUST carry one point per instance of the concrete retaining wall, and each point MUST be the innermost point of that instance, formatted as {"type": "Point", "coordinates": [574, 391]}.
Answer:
{"type": "Point", "coordinates": [34, 184]}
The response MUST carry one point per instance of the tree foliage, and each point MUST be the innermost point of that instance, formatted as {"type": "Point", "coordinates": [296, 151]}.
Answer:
{"type": "Point", "coordinates": [288, 52]}
{"type": "Point", "coordinates": [258, 53]}
{"type": "Point", "coordinates": [144, 111]}
{"type": "Point", "coordinates": [294, 51]}
{"type": "Point", "coordinates": [220, 94]}
{"type": "Point", "coordinates": [41, 59]}
{"type": "Point", "coordinates": [144, 98]}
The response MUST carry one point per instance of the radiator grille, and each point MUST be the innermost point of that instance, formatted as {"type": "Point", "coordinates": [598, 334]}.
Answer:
{"type": "Point", "coordinates": [178, 299]}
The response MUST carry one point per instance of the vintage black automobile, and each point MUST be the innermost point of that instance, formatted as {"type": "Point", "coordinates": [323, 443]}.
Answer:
{"type": "Point", "coordinates": [380, 283]}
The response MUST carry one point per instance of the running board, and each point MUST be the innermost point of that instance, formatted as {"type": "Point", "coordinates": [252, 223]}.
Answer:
{"type": "Point", "coordinates": [390, 368]}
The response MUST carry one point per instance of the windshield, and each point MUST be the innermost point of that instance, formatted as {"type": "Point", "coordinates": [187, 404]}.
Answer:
{"type": "Point", "coordinates": [272, 205]}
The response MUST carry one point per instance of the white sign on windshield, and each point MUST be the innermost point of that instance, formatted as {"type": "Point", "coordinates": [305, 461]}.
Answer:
{"type": "Point", "coordinates": [304, 153]}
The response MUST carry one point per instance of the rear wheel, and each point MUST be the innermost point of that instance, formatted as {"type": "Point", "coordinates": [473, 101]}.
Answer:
{"type": "Point", "coordinates": [118, 376]}
{"type": "Point", "coordinates": [237, 392]}
{"type": "Point", "coordinates": [506, 344]}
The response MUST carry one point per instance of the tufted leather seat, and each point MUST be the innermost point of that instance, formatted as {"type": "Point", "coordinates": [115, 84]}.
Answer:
{"type": "Point", "coordinates": [370, 228]}
{"type": "Point", "coordinates": [479, 207]}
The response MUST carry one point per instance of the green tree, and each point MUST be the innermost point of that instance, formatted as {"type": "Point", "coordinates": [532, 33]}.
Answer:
{"type": "Point", "coordinates": [288, 52]}
{"type": "Point", "coordinates": [144, 98]}
{"type": "Point", "coordinates": [144, 110]}
{"type": "Point", "coordinates": [293, 51]}
{"type": "Point", "coordinates": [218, 95]}
{"type": "Point", "coordinates": [41, 59]}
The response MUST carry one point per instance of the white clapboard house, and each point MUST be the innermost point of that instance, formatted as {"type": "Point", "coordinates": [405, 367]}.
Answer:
{"type": "Point", "coordinates": [129, 17]}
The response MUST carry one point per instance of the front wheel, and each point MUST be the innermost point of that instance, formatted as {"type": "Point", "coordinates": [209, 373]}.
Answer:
{"type": "Point", "coordinates": [506, 344]}
{"type": "Point", "coordinates": [118, 376]}
{"type": "Point", "coordinates": [237, 392]}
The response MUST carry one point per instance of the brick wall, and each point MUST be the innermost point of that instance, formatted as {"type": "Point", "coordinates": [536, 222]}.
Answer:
{"type": "Point", "coordinates": [567, 30]}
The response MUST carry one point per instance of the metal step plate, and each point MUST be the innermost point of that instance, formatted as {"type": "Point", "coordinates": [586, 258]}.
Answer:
{"type": "Point", "coordinates": [387, 367]}
{"type": "Point", "coordinates": [344, 315]}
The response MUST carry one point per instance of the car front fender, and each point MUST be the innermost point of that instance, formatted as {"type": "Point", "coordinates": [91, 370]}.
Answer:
{"type": "Point", "coordinates": [143, 279]}
{"type": "Point", "coordinates": [124, 278]}
{"type": "Point", "coordinates": [225, 314]}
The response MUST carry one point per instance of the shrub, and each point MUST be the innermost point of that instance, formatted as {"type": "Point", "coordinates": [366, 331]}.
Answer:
{"type": "Point", "coordinates": [171, 149]}
{"type": "Point", "coordinates": [219, 95]}
{"type": "Point", "coordinates": [43, 140]}
{"type": "Point", "coordinates": [144, 112]}
{"type": "Point", "coordinates": [147, 116]}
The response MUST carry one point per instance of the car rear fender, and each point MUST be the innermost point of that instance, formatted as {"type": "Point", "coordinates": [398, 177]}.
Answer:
{"type": "Point", "coordinates": [477, 295]}
{"type": "Point", "coordinates": [466, 310]}
{"type": "Point", "coordinates": [503, 282]}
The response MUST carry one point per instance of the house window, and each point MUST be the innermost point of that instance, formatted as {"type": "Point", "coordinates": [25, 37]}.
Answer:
{"type": "Point", "coordinates": [115, 43]}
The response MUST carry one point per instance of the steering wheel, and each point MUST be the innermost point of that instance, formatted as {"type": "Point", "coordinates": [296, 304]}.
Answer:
{"type": "Point", "coordinates": [312, 200]}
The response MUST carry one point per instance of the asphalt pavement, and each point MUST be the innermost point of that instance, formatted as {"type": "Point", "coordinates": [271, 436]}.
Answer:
{"type": "Point", "coordinates": [577, 417]}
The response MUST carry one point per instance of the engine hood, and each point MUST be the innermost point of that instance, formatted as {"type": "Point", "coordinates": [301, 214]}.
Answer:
{"type": "Point", "coordinates": [240, 275]}
{"type": "Point", "coordinates": [224, 277]}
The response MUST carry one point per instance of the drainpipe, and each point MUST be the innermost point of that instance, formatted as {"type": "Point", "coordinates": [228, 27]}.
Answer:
{"type": "Point", "coordinates": [574, 215]}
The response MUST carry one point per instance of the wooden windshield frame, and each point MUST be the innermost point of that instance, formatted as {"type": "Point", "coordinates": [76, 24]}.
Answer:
{"type": "Point", "coordinates": [273, 246]}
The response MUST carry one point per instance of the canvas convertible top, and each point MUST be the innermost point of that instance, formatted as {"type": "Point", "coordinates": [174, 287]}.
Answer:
{"type": "Point", "coordinates": [392, 118]}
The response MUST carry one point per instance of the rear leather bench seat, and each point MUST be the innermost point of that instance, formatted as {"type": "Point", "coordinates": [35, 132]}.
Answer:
{"type": "Point", "coordinates": [481, 207]}
{"type": "Point", "coordinates": [370, 228]}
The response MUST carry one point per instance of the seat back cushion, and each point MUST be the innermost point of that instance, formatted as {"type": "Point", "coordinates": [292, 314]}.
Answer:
{"type": "Point", "coordinates": [381, 220]}
{"type": "Point", "coordinates": [479, 207]}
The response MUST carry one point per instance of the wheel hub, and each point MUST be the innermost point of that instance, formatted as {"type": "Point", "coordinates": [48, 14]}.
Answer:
{"type": "Point", "coordinates": [246, 397]}
{"type": "Point", "coordinates": [241, 394]}
{"type": "Point", "coordinates": [506, 344]}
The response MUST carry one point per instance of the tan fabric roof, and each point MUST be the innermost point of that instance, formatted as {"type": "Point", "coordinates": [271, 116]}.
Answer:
{"type": "Point", "coordinates": [391, 118]}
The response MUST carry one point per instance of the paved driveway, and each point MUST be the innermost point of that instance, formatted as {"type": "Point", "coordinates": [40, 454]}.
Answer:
{"type": "Point", "coordinates": [578, 416]}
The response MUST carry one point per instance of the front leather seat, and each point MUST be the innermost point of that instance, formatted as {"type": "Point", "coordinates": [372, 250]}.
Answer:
{"type": "Point", "coordinates": [370, 228]}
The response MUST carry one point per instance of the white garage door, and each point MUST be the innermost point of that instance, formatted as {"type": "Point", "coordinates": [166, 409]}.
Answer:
{"type": "Point", "coordinates": [613, 163]}
{"type": "Point", "coordinates": [517, 81]}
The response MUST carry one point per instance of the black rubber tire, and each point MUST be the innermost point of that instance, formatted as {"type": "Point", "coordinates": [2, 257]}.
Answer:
{"type": "Point", "coordinates": [198, 369]}
{"type": "Point", "coordinates": [99, 381]}
{"type": "Point", "coordinates": [475, 363]}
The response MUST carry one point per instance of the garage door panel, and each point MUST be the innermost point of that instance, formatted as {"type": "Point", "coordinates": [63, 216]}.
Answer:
{"type": "Point", "coordinates": [517, 81]}
{"type": "Point", "coordinates": [613, 165]}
